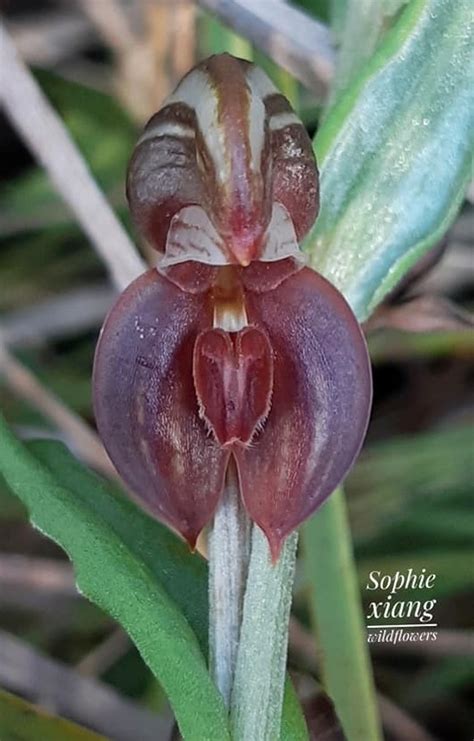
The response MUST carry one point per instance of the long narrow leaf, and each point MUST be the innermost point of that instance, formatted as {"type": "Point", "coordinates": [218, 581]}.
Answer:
{"type": "Point", "coordinates": [395, 153]}
{"type": "Point", "coordinates": [21, 721]}
{"type": "Point", "coordinates": [113, 573]}
{"type": "Point", "coordinates": [335, 605]}
{"type": "Point", "coordinates": [181, 575]}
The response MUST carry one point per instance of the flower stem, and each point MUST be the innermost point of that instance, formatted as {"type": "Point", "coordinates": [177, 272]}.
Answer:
{"type": "Point", "coordinates": [229, 546]}
{"type": "Point", "coordinates": [257, 695]}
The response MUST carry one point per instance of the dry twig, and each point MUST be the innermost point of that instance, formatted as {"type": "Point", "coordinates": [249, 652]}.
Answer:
{"type": "Point", "coordinates": [65, 315]}
{"type": "Point", "coordinates": [421, 314]}
{"type": "Point", "coordinates": [51, 37]}
{"type": "Point", "coordinates": [290, 37]}
{"type": "Point", "coordinates": [57, 687]}
{"type": "Point", "coordinates": [184, 47]}
{"type": "Point", "coordinates": [41, 589]}
{"type": "Point", "coordinates": [46, 575]}
{"type": "Point", "coordinates": [111, 21]}
{"type": "Point", "coordinates": [82, 439]}
{"type": "Point", "coordinates": [105, 655]}
{"type": "Point", "coordinates": [48, 138]}
{"type": "Point", "coordinates": [44, 132]}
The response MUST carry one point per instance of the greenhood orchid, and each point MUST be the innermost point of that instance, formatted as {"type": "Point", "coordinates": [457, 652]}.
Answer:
{"type": "Point", "coordinates": [230, 348]}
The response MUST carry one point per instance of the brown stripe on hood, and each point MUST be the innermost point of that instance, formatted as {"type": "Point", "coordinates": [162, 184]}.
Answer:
{"type": "Point", "coordinates": [277, 103]}
{"type": "Point", "coordinates": [184, 115]}
{"type": "Point", "coordinates": [227, 77]}
{"type": "Point", "coordinates": [246, 192]}
{"type": "Point", "coordinates": [178, 113]}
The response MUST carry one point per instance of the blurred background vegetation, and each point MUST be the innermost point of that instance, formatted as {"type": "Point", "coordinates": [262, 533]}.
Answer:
{"type": "Point", "coordinates": [106, 67]}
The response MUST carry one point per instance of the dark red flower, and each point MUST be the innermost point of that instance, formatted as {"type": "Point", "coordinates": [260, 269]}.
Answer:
{"type": "Point", "coordinates": [287, 395]}
{"type": "Point", "coordinates": [230, 347]}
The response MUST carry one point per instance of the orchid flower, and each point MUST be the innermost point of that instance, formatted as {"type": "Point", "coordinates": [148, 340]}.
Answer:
{"type": "Point", "coordinates": [230, 349]}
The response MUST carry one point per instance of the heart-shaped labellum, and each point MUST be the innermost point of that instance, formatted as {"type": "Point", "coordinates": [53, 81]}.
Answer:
{"type": "Point", "coordinates": [233, 377]}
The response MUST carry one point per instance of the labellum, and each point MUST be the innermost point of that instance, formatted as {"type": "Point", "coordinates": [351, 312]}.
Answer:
{"type": "Point", "coordinates": [230, 347]}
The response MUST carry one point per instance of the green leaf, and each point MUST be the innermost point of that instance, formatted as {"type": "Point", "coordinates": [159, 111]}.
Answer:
{"type": "Point", "coordinates": [125, 563]}
{"type": "Point", "coordinates": [358, 26]}
{"type": "Point", "coordinates": [181, 576]}
{"type": "Point", "coordinates": [10, 507]}
{"type": "Point", "coordinates": [395, 154]}
{"type": "Point", "coordinates": [21, 721]}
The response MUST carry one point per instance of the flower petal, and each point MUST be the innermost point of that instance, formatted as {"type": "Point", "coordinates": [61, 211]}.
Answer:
{"type": "Point", "coordinates": [320, 405]}
{"type": "Point", "coordinates": [146, 406]}
{"type": "Point", "coordinates": [233, 376]}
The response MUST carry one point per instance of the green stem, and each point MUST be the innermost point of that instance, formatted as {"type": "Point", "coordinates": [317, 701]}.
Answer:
{"type": "Point", "coordinates": [257, 696]}
{"type": "Point", "coordinates": [337, 612]}
{"type": "Point", "coordinates": [229, 545]}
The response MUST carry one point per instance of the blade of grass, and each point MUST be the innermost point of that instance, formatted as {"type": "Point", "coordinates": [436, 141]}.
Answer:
{"type": "Point", "coordinates": [335, 604]}
{"type": "Point", "coordinates": [20, 720]}
{"type": "Point", "coordinates": [293, 723]}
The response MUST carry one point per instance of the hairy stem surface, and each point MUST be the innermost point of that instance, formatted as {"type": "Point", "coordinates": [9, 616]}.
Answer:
{"type": "Point", "coordinates": [257, 695]}
{"type": "Point", "coordinates": [229, 546]}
